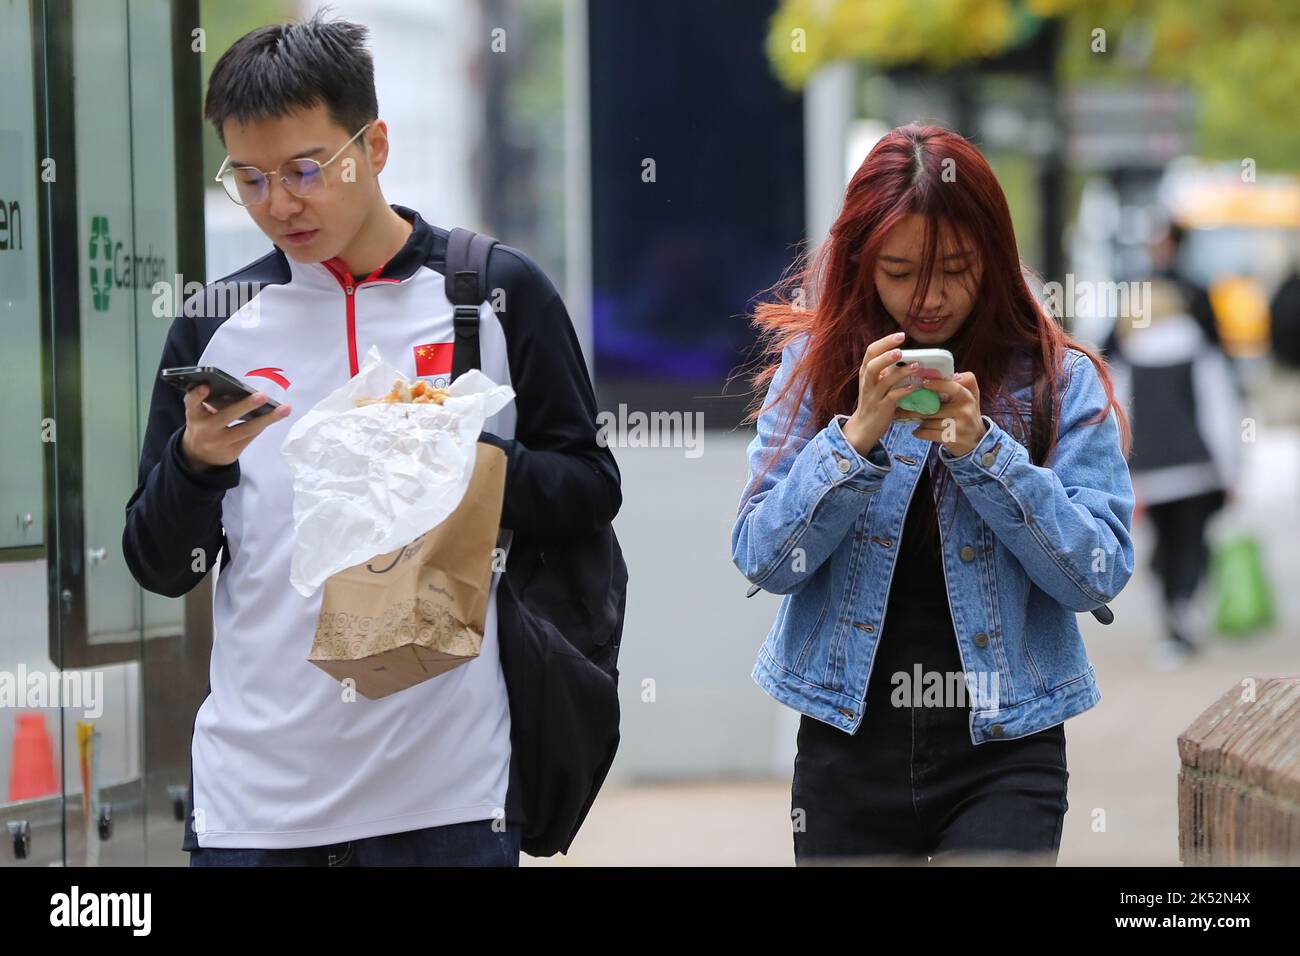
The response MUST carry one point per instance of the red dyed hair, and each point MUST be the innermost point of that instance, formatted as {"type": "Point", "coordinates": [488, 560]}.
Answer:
{"type": "Point", "coordinates": [935, 173]}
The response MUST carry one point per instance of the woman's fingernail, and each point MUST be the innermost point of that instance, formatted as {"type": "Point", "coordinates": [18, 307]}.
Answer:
{"type": "Point", "coordinates": [915, 365]}
{"type": "Point", "coordinates": [897, 335]}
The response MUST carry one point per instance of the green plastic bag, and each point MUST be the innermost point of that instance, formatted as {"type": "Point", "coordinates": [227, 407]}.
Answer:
{"type": "Point", "coordinates": [1243, 601]}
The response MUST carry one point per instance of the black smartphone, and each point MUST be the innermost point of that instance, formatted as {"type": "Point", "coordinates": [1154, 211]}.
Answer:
{"type": "Point", "coordinates": [223, 388]}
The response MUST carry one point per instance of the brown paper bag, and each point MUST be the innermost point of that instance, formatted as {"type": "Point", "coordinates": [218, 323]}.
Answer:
{"type": "Point", "coordinates": [417, 612]}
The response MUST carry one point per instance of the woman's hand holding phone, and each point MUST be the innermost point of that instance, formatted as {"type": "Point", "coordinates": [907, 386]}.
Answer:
{"type": "Point", "coordinates": [958, 426]}
{"type": "Point", "coordinates": [878, 393]}
{"type": "Point", "coordinates": [209, 440]}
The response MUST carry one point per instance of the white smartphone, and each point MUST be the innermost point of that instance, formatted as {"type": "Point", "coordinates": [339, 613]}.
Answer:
{"type": "Point", "coordinates": [935, 363]}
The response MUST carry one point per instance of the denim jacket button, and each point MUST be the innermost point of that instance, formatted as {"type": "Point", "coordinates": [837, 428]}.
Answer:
{"type": "Point", "coordinates": [843, 465]}
{"type": "Point", "coordinates": [968, 553]}
{"type": "Point", "coordinates": [987, 459]}
{"type": "Point", "coordinates": [981, 639]}
{"type": "Point", "coordinates": [996, 730]}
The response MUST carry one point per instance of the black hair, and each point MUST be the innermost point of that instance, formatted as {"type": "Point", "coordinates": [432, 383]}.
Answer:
{"type": "Point", "coordinates": [276, 69]}
{"type": "Point", "coordinates": [1177, 234]}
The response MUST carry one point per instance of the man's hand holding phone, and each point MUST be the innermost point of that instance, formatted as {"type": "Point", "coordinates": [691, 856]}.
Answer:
{"type": "Point", "coordinates": [209, 440]}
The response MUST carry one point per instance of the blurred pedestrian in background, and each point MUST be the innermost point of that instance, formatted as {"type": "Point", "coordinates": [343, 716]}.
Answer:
{"type": "Point", "coordinates": [1186, 413]}
{"type": "Point", "coordinates": [1167, 263]}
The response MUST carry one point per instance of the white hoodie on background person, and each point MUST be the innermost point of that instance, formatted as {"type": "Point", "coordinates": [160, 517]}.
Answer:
{"type": "Point", "coordinates": [1173, 339]}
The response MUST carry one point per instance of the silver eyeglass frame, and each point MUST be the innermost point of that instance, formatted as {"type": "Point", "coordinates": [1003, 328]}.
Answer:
{"type": "Point", "coordinates": [221, 172]}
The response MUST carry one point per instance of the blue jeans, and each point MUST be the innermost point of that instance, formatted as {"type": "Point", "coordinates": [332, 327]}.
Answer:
{"type": "Point", "coordinates": [474, 843]}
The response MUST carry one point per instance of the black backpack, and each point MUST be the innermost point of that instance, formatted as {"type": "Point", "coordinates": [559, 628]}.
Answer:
{"type": "Point", "coordinates": [560, 607]}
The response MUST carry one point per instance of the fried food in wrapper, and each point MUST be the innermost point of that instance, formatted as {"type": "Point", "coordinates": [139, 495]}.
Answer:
{"type": "Point", "coordinates": [396, 514]}
{"type": "Point", "coordinates": [418, 393]}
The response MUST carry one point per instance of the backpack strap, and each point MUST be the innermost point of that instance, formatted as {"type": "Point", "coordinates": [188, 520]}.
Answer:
{"type": "Point", "coordinates": [467, 256]}
{"type": "Point", "coordinates": [466, 269]}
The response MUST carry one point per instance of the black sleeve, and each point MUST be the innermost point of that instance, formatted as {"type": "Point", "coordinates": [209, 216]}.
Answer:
{"type": "Point", "coordinates": [559, 479]}
{"type": "Point", "coordinates": [174, 509]}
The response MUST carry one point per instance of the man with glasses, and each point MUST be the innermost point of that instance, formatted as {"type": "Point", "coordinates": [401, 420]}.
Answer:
{"type": "Point", "coordinates": [249, 186]}
{"type": "Point", "coordinates": [286, 768]}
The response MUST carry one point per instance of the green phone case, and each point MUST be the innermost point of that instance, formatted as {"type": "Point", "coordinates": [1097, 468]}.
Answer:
{"type": "Point", "coordinates": [922, 401]}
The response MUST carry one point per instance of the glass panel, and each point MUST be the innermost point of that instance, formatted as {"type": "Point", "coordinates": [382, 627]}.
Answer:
{"type": "Point", "coordinates": [30, 726]}
{"type": "Point", "coordinates": [22, 517]}
{"type": "Point", "coordinates": [153, 173]}
{"type": "Point", "coordinates": [120, 266]}
{"type": "Point", "coordinates": [123, 255]}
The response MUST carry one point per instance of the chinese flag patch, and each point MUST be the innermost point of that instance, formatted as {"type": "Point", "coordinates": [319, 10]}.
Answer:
{"type": "Point", "coordinates": [433, 359]}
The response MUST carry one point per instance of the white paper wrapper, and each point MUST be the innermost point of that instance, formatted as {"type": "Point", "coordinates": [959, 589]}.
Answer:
{"type": "Point", "coordinates": [370, 479]}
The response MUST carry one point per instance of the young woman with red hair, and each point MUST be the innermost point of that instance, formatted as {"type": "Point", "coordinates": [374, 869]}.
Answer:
{"type": "Point", "coordinates": [932, 571]}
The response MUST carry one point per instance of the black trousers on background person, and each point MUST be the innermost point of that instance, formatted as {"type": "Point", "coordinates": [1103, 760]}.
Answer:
{"type": "Point", "coordinates": [1181, 554]}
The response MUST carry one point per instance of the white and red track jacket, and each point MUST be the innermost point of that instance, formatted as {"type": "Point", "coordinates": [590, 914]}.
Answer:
{"type": "Point", "coordinates": [279, 759]}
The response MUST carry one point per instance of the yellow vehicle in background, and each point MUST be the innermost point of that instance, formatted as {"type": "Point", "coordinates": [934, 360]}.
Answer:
{"type": "Point", "coordinates": [1242, 238]}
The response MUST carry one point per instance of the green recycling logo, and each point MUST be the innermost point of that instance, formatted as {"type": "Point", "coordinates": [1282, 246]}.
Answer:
{"type": "Point", "coordinates": [101, 268]}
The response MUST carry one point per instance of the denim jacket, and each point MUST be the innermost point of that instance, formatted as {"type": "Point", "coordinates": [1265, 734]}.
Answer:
{"type": "Point", "coordinates": [1024, 549]}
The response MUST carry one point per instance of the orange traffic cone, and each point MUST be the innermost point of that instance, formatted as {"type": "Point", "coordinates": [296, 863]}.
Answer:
{"type": "Point", "coordinates": [32, 769]}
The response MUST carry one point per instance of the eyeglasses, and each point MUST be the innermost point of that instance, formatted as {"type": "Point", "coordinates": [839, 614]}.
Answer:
{"type": "Point", "coordinates": [250, 186]}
